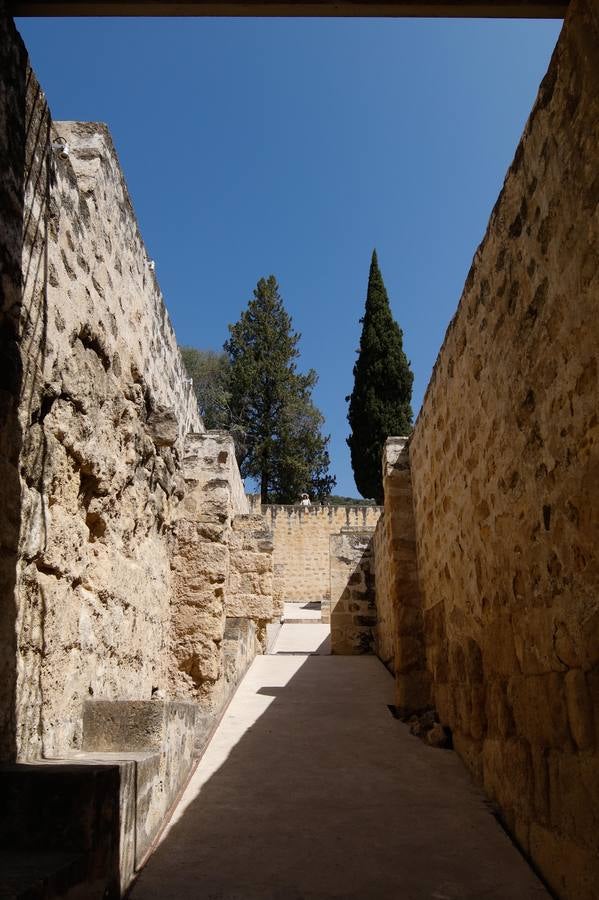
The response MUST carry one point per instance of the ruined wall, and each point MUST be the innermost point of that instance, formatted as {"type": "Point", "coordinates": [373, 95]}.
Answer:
{"type": "Point", "coordinates": [251, 579]}
{"type": "Point", "coordinates": [352, 591]}
{"type": "Point", "coordinates": [222, 569]}
{"type": "Point", "coordinates": [301, 545]}
{"type": "Point", "coordinates": [505, 467]}
{"type": "Point", "coordinates": [13, 70]}
{"type": "Point", "coordinates": [399, 639]}
{"type": "Point", "coordinates": [94, 405]}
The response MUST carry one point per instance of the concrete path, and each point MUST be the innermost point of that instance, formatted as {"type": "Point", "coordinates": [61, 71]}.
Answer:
{"type": "Point", "coordinates": [302, 612]}
{"type": "Point", "coordinates": [311, 789]}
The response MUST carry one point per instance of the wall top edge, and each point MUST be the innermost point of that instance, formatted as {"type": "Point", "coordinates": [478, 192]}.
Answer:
{"type": "Point", "coordinates": [531, 9]}
{"type": "Point", "coordinates": [316, 507]}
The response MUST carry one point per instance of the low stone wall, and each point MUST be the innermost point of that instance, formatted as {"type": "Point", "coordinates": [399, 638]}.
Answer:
{"type": "Point", "coordinates": [159, 737]}
{"type": "Point", "coordinates": [352, 590]}
{"type": "Point", "coordinates": [504, 461]}
{"type": "Point", "coordinates": [301, 545]}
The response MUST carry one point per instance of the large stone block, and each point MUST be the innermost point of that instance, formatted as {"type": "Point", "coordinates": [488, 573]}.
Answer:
{"type": "Point", "coordinates": [540, 710]}
{"type": "Point", "coordinates": [112, 726]}
{"type": "Point", "coordinates": [254, 606]}
{"type": "Point", "coordinates": [580, 709]}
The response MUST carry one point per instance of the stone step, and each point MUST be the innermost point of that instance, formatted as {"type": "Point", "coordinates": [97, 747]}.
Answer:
{"type": "Point", "coordinates": [286, 621]}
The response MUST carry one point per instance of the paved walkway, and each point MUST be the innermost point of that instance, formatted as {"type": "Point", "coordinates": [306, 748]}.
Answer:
{"type": "Point", "coordinates": [311, 789]}
{"type": "Point", "coordinates": [302, 612]}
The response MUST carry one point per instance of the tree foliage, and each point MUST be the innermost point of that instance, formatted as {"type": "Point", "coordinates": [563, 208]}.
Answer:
{"type": "Point", "coordinates": [211, 373]}
{"type": "Point", "coordinates": [379, 405]}
{"type": "Point", "coordinates": [284, 448]}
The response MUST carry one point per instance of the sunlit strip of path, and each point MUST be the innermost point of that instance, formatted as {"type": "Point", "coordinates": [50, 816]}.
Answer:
{"type": "Point", "coordinates": [311, 789]}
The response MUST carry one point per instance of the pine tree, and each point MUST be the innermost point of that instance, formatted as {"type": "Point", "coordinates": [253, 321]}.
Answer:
{"type": "Point", "coordinates": [379, 405]}
{"type": "Point", "coordinates": [284, 448]}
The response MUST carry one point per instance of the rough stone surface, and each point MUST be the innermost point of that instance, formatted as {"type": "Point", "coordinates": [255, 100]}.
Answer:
{"type": "Point", "coordinates": [165, 731]}
{"type": "Point", "coordinates": [67, 808]}
{"type": "Point", "coordinates": [399, 639]}
{"type": "Point", "coordinates": [94, 425]}
{"type": "Point", "coordinates": [115, 555]}
{"type": "Point", "coordinates": [504, 464]}
{"type": "Point", "coordinates": [222, 567]}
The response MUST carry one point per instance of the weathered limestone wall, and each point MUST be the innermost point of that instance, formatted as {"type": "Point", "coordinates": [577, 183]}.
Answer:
{"type": "Point", "coordinates": [222, 567]}
{"type": "Point", "coordinates": [94, 405]}
{"type": "Point", "coordinates": [13, 69]}
{"type": "Point", "coordinates": [251, 580]}
{"type": "Point", "coordinates": [505, 466]}
{"type": "Point", "coordinates": [352, 590]}
{"type": "Point", "coordinates": [399, 639]}
{"type": "Point", "coordinates": [301, 545]}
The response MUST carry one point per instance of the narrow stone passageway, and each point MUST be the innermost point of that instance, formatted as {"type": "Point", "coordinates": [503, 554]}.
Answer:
{"type": "Point", "coordinates": [311, 789]}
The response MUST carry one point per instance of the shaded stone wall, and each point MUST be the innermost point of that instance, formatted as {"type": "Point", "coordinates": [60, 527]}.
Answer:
{"type": "Point", "coordinates": [399, 638]}
{"type": "Point", "coordinates": [301, 545]}
{"type": "Point", "coordinates": [505, 466]}
{"type": "Point", "coordinates": [13, 116]}
{"type": "Point", "coordinates": [352, 590]}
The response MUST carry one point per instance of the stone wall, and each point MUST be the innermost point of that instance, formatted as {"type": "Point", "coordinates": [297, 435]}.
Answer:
{"type": "Point", "coordinates": [399, 639]}
{"type": "Point", "coordinates": [301, 545]}
{"type": "Point", "coordinates": [222, 567]}
{"type": "Point", "coordinates": [505, 464]}
{"type": "Point", "coordinates": [95, 402]}
{"type": "Point", "coordinates": [352, 591]}
{"type": "Point", "coordinates": [96, 409]}
{"type": "Point", "coordinates": [251, 580]}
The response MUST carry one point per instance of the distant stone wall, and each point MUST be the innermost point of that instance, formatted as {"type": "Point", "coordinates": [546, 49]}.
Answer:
{"type": "Point", "coordinates": [352, 590]}
{"type": "Point", "coordinates": [505, 464]}
{"type": "Point", "coordinates": [301, 545]}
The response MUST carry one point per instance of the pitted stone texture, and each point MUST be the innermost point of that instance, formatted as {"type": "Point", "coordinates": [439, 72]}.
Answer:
{"type": "Point", "coordinates": [222, 567]}
{"type": "Point", "coordinates": [91, 428]}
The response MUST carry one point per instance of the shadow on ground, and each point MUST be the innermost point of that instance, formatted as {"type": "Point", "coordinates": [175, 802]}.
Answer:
{"type": "Point", "coordinates": [310, 789]}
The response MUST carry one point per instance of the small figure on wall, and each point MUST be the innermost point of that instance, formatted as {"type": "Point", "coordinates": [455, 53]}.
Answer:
{"type": "Point", "coordinates": [304, 500]}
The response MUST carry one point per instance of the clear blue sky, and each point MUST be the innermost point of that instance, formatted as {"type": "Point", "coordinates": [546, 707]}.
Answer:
{"type": "Point", "coordinates": [295, 146]}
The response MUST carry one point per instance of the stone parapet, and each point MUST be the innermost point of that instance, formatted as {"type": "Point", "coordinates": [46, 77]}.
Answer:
{"type": "Point", "coordinates": [301, 545]}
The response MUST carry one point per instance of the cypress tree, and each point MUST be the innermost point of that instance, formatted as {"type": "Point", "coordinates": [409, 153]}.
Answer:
{"type": "Point", "coordinates": [272, 402]}
{"type": "Point", "coordinates": [379, 405]}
